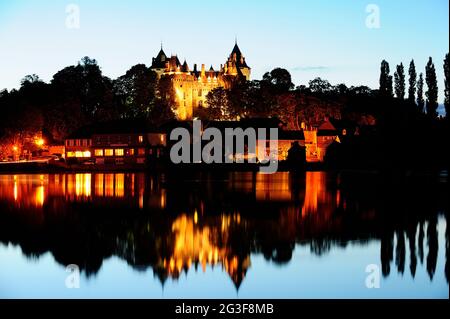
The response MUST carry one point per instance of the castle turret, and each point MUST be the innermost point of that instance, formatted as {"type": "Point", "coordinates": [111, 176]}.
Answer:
{"type": "Point", "coordinates": [203, 70]}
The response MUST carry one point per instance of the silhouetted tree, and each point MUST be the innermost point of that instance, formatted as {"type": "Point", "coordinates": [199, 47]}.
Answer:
{"type": "Point", "coordinates": [399, 78]}
{"type": "Point", "coordinates": [412, 82]}
{"type": "Point", "coordinates": [278, 79]}
{"type": "Point", "coordinates": [296, 156]}
{"type": "Point", "coordinates": [420, 99]}
{"type": "Point", "coordinates": [218, 106]}
{"type": "Point", "coordinates": [432, 92]}
{"type": "Point", "coordinates": [319, 85]}
{"type": "Point", "coordinates": [400, 252]}
{"type": "Point", "coordinates": [136, 92]}
{"type": "Point", "coordinates": [432, 239]}
{"type": "Point", "coordinates": [447, 86]}
{"type": "Point", "coordinates": [411, 233]}
{"type": "Point", "coordinates": [387, 252]}
{"type": "Point", "coordinates": [420, 241]}
{"type": "Point", "coordinates": [385, 80]}
{"type": "Point", "coordinates": [447, 248]}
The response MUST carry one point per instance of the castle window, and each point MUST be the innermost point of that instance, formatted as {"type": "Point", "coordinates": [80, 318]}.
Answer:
{"type": "Point", "coordinates": [200, 104]}
{"type": "Point", "coordinates": [199, 92]}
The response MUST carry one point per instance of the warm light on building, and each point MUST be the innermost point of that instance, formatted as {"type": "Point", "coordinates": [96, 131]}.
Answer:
{"type": "Point", "coordinates": [109, 152]}
{"type": "Point", "coordinates": [80, 154]}
{"type": "Point", "coordinates": [119, 152]}
{"type": "Point", "coordinates": [99, 153]}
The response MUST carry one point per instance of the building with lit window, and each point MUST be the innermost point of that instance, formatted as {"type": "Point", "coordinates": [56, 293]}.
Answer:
{"type": "Point", "coordinates": [122, 143]}
{"type": "Point", "coordinates": [78, 147]}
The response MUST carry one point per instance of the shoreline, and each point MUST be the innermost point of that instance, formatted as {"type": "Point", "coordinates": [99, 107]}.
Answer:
{"type": "Point", "coordinates": [44, 168]}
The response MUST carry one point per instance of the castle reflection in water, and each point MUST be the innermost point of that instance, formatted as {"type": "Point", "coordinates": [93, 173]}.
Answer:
{"type": "Point", "coordinates": [173, 223]}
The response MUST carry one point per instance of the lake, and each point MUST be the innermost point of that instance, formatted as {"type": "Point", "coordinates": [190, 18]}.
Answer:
{"type": "Point", "coordinates": [224, 235]}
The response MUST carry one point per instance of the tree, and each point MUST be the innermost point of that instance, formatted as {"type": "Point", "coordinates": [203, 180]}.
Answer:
{"type": "Point", "coordinates": [432, 92]}
{"type": "Point", "coordinates": [319, 85]}
{"type": "Point", "coordinates": [385, 80]}
{"type": "Point", "coordinates": [278, 79]}
{"type": "Point", "coordinates": [420, 100]}
{"type": "Point", "coordinates": [136, 92]}
{"type": "Point", "coordinates": [218, 107]}
{"type": "Point", "coordinates": [447, 86]}
{"type": "Point", "coordinates": [412, 82]}
{"type": "Point", "coordinates": [399, 76]}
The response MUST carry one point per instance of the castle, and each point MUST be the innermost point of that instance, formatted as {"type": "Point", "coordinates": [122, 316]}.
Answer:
{"type": "Point", "coordinates": [192, 86]}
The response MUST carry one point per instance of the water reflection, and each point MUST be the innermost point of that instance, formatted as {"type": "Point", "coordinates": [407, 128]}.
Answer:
{"type": "Point", "coordinates": [175, 224]}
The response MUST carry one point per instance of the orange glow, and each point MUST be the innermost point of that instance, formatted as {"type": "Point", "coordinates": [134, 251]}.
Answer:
{"type": "Point", "coordinates": [120, 185]}
{"type": "Point", "coordinates": [40, 196]}
{"type": "Point", "coordinates": [109, 185]}
{"type": "Point", "coordinates": [109, 152]}
{"type": "Point", "coordinates": [99, 185]}
{"type": "Point", "coordinates": [40, 142]}
{"type": "Point", "coordinates": [194, 244]}
{"type": "Point", "coordinates": [99, 153]}
{"type": "Point", "coordinates": [79, 154]}
{"type": "Point", "coordinates": [16, 191]}
{"type": "Point", "coordinates": [196, 217]}
{"type": "Point", "coordinates": [83, 185]}
{"type": "Point", "coordinates": [15, 148]}
{"type": "Point", "coordinates": [119, 152]}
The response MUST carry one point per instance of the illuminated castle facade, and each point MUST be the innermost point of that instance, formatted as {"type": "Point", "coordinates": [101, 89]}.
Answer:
{"type": "Point", "coordinates": [192, 86]}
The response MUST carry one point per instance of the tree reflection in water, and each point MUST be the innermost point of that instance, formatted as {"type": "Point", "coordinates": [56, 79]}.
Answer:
{"type": "Point", "coordinates": [175, 223]}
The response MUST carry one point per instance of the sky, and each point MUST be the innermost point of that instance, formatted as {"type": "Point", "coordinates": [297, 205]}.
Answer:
{"type": "Point", "coordinates": [321, 38]}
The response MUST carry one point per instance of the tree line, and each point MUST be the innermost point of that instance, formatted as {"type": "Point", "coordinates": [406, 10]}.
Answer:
{"type": "Point", "coordinates": [80, 94]}
{"type": "Point", "coordinates": [429, 106]}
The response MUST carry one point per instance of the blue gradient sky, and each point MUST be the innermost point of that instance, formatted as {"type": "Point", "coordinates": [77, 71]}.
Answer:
{"type": "Point", "coordinates": [309, 38]}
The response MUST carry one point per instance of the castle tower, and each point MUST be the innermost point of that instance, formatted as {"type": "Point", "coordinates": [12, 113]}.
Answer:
{"type": "Point", "coordinates": [236, 63]}
{"type": "Point", "coordinates": [159, 63]}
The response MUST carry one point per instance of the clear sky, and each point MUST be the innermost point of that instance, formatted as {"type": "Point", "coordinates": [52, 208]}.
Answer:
{"type": "Point", "coordinates": [325, 38]}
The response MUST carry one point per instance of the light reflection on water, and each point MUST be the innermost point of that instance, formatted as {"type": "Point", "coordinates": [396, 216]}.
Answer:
{"type": "Point", "coordinates": [226, 222]}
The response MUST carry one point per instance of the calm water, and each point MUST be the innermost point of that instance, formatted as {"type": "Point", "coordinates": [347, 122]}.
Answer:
{"type": "Point", "coordinates": [224, 235]}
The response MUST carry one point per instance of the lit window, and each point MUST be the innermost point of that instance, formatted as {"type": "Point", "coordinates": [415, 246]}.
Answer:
{"type": "Point", "coordinates": [109, 152]}
{"type": "Point", "coordinates": [86, 154]}
{"type": "Point", "coordinates": [78, 154]}
{"type": "Point", "coordinates": [98, 152]}
{"type": "Point", "coordinates": [141, 139]}
{"type": "Point", "coordinates": [141, 151]}
{"type": "Point", "coordinates": [70, 154]}
{"type": "Point", "coordinates": [131, 152]}
{"type": "Point", "coordinates": [119, 152]}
